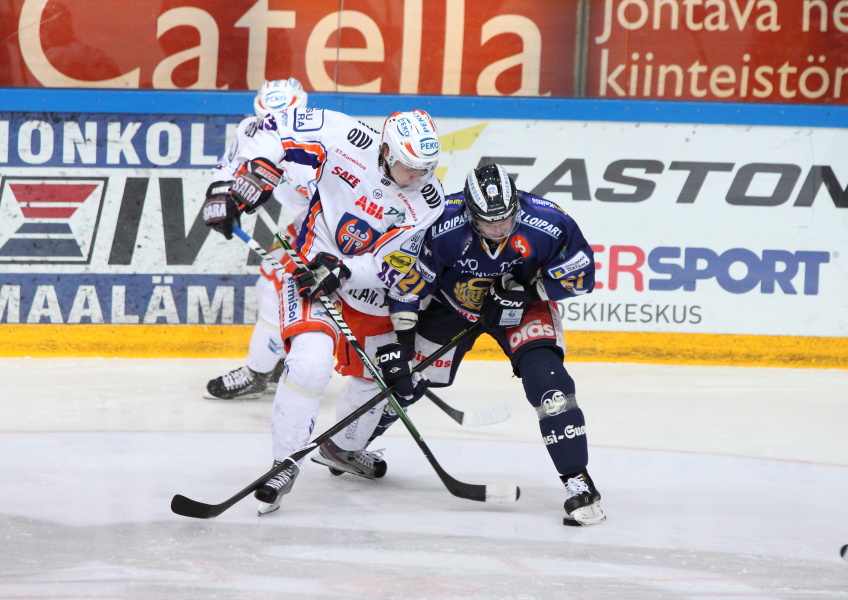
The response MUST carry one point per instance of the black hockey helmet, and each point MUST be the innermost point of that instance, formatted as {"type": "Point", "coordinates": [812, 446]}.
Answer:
{"type": "Point", "coordinates": [491, 202]}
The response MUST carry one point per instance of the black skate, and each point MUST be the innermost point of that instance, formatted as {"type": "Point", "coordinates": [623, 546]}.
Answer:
{"type": "Point", "coordinates": [362, 463]}
{"type": "Point", "coordinates": [270, 495]}
{"type": "Point", "coordinates": [244, 384]}
{"type": "Point", "coordinates": [583, 500]}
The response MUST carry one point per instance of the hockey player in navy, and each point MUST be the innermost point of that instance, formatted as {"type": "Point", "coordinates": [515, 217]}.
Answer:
{"type": "Point", "coordinates": [504, 256]}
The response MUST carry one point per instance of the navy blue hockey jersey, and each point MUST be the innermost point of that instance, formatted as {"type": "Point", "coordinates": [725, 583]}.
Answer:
{"type": "Point", "coordinates": [546, 252]}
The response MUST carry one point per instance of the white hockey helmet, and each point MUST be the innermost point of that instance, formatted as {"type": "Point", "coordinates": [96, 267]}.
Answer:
{"type": "Point", "coordinates": [412, 139]}
{"type": "Point", "coordinates": [279, 94]}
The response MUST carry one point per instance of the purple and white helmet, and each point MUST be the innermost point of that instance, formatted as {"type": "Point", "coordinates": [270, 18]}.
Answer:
{"type": "Point", "coordinates": [412, 139]}
{"type": "Point", "coordinates": [279, 94]}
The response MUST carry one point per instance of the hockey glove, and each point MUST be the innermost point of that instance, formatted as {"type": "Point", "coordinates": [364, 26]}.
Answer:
{"type": "Point", "coordinates": [504, 304]}
{"type": "Point", "coordinates": [255, 182]}
{"type": "Point", "coordinates": [393, 361]}
{"type": "Point", "coordinates": [220, 210]}
{"type": "Point", "coordinates": [322, 276]}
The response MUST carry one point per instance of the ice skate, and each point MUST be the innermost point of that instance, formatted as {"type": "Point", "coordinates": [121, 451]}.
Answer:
{"type": "Point", "coordinates": [270, 495]}
{"type": "Point", "coordinates": [583, 501]}
{"type": "Point", "coordinates": [244, 384]}
{"type": "Point", "coordinates": [362, 463]}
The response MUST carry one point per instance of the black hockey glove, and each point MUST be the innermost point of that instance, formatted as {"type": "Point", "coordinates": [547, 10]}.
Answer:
{"type": "Point", "coordinates": [255, 182]}
{"type": "Point", "coordinates": [220, 210]}
{"type": "Point", "coordinates": [393, 362]}
{"type": "Point", "coordinates": [322, 276]}
{"type": "Point", "coordinates": [504, 304]}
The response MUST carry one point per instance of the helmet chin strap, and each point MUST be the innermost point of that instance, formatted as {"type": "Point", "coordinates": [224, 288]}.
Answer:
{"type": "Point", "coordinates": [384, 165]}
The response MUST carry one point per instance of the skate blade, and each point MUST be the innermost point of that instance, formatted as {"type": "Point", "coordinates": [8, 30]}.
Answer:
{"type": "Point", "coordinates": [586, 515]}
{"type": "Point", "coordinates": [251, 396]}
{"type": "Point", "coordinates": [267, 509]}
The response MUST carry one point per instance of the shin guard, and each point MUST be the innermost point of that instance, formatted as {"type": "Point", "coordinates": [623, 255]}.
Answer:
{"type": "Point", "coordinates": [550, 389]}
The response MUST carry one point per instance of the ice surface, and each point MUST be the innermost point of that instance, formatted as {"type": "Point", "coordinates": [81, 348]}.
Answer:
{"type": "Point", "coordinates": [717, 482]}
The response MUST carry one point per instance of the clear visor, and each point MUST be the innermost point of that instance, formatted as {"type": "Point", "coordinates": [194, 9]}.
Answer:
{"type": "Point", "coordinates": [425, 168]}
{"type": "Point", "coordinates": [495, 231]}
{"type": "Point", "coordinates": [404, 174]}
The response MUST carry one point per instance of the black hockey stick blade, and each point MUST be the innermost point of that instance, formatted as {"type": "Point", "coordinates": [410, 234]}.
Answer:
{"type": "Point", "coordinates": [470, 491]}
{"type": "Point", "coordinates": [449, 410]}
{"type": "Point", "coordinates": [187, 507]}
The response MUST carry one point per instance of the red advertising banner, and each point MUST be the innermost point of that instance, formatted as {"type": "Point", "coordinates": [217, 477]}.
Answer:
{"type": "Point", "coordinates": [739, 50]}
{"type": "Point", "coordinates": [509, 47]}
{"type": "Point", "coordinates": [733, 50]}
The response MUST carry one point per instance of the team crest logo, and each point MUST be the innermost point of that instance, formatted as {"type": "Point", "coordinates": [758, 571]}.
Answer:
{"type": "Point", "coordinates": [44, 219]}
{"type": "Point", "coordinates": [470, 293]}
{"type": "Point", "coordinates": [354, 236]}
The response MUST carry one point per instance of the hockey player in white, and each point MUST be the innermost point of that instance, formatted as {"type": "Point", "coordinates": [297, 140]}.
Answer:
{"type": "Point", "coordinates": [501, 256]}
{"type": "Point", "coordinates": [266, 353]}
{"type": "Point", "coordinates": [376, 196]}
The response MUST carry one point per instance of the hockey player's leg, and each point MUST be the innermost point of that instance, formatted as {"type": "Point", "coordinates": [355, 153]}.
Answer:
{"type": "Point", "coordinates": [345, 452]}
{"type": "Point", "coordinates": [308, 369]}
{"type": "Point", "coordinates": [266, 350]}
{"type": "Point", "coordinates": [436, 327]}
{"type": "Point", "coordinates": [265, 356]}
{"type": "Point", "coordinates": [550, 389]}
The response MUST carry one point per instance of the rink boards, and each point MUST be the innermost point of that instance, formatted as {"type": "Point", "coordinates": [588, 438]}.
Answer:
{"type": "Point", "coordinates": [719, 230]}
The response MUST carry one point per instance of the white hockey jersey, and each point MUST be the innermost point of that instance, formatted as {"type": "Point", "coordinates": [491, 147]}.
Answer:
{"type": "Point", "coordinates": [296, 187]}
{"type": "Point", "coordinates": [357, 212]}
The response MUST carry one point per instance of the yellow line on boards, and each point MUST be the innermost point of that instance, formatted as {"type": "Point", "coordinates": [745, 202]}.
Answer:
{"type": "Point", "coordinates": [230, 341]}
{"type": "Point", "coordinates": [696, 349]}
{"type": "Point", "coordinates": [125, 341]}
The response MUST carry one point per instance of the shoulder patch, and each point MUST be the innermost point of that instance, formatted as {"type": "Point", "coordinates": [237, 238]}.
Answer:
{"type": "Point", "coordinates": [308, 119]}
{"type": "Point", "coordinates": [413, 244]}
{"type": "Point", "coordinates": [577, 262]}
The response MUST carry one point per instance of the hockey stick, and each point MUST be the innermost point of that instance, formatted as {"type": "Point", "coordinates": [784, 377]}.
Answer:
{"type": "Point", "coordinates": [486, 416]}
{"type": "Point", "coordinates": [199, 510]}
{"type": "Point", "coordinates": [480, 493]}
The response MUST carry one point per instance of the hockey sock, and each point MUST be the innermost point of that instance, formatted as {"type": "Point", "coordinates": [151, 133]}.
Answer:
{"type": "Point", "coordinates": [354, 393]}
{"type": "Point", "coordinates": [388, 416]}
{"type": "Point", "coordinates": [308, 369]}
{"type": "Point", "coordinates": [550, 389]}
{"type": "Point", "coordinates": [266, 345]}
